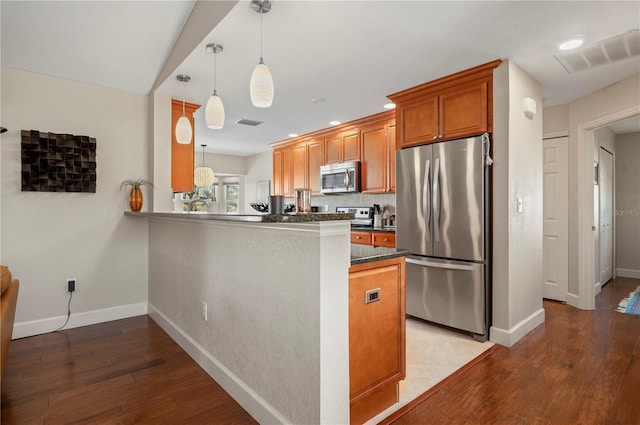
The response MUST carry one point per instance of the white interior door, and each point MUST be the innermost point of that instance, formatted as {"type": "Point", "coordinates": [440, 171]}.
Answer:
{"type": "Point", "coordinates": [556, 219]}
{"type": "Point", "coordinates": [606, 215]}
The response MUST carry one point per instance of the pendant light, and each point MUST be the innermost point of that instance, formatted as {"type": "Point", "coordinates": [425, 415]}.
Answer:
{"type": "Point", "coordinates": [261, 86]}
{"type": "Point", "coordinates": [203, 176]}
{"type": "Point", "coordinates": [214, 112]}
{"type": "Point", "coordinates": [184, 132]}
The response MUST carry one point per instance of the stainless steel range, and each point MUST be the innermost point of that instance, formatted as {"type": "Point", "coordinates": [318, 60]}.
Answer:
{"type": "Point", "coordinates": [363, 215]}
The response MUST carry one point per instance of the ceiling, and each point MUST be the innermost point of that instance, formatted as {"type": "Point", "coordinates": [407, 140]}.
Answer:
{"type": "Point", "coordinates": [351, 53]}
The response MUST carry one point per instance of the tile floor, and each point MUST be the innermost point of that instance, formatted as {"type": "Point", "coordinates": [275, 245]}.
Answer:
{"type": "Point", "coordinates": [433, 353]}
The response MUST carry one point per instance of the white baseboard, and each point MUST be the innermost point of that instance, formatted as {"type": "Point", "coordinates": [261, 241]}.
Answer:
{"type": "Point", "coordinates": [573, 300]}
{"type": "Point", "coordinates": [513, 335]}
{"type": "Point", "coordinates": [634, 274]}
{"type": "Point", "coordinates": [597, 288]}
{"type": "Point", "coordinates": [43, 326]}
{"type": "Point", "coordinates": [257, 407]}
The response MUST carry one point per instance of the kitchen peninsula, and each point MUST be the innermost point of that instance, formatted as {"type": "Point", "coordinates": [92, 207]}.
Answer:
{"type": "Point", "coordinates": [261, 302]}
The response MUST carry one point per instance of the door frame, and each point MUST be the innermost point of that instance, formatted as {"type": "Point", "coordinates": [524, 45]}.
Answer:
{"type": "Point", "coordinates": [586, 297]}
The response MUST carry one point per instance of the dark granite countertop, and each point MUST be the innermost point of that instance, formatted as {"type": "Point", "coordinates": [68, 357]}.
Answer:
{"type": "Point", "coordinates": [373, 229]}
{"type": "Point", "coordinates": [251, 218]}
{"type": "Point", "coordinates": [367, 253]}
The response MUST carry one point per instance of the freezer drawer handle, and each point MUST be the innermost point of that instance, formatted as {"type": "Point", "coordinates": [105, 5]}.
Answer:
{"type": "Point", "coordinates": [440, 265]}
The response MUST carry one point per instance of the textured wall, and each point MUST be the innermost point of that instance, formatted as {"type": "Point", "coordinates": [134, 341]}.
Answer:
{"type": "Point", "coordinates": [277, 297]}
{"type": "Point", "coordinates": [48, 237]}
{"type": "Point", "coordinates": [517, 236]}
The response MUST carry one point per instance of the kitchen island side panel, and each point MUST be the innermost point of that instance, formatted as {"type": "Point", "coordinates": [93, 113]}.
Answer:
{"type": "Point", "coordinates": [277, 297]}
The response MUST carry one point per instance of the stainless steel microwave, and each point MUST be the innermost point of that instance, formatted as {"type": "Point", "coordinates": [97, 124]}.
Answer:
{"type": "Point", "coordinates": [343, 177]}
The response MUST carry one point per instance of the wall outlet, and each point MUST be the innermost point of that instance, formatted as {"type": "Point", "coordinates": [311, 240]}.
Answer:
{"type": "Point", "coordinates": [71, 284]}
{"type": "Point", "coordinates": [204, 311]}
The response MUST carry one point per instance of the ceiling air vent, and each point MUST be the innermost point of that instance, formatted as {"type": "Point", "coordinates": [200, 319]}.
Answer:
{"type": "Point", "coordinates": [614, 49]}
{"type": "Point", "coordinates": [245, 121]}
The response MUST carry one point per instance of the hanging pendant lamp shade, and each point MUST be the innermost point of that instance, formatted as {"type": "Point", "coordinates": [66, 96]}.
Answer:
{"type": "Point", "coordinates": [261, 84]}
{"type": "Point", "coordinates": [214, 111]}
{"type": "Point", "coordinates": [184, 132]}
{"type": "Point", "coordinates": [203, 176]}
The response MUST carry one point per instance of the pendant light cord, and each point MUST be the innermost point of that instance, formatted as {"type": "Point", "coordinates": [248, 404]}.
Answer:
{"type": "Point", "coordinates": [215, 92]}
{"type": "Point", "coordinates": [261, 32]}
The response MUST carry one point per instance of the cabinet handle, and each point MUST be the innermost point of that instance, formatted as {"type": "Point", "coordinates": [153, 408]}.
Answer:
{"type": "Point", "coordinates": [358, 237]}
{"type": "Point", "coordinates": [435, 137]}
{"type": "Point", "coordinates": [386, 239]}
{"type": "Point", "coordinates": [441, 136]}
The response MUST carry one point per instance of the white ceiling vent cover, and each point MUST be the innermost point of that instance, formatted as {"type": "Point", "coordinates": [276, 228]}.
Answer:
{"type": "Point", "coordinates": [614, 49]}
{"type": "Point", "coordinates": [245, 121]}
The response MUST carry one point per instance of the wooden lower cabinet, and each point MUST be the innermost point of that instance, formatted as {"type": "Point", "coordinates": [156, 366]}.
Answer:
{"type": "Point", "coordinates": [376, 336]}
{"type": "Point", "coordinates": [361, 237]}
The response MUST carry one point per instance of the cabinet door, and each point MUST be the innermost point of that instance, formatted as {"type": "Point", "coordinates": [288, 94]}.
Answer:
{"type": "Point", "coordinates": [333, 149]}
{"type": "Point", "coordinates": [315, 158]}
{"type": "Point", "coordinates": [287, 189]}
{"type": "Point", "coordinates": [351, 146]}
{"type": "Point", "coordinates": [299, 166]}
{"type": "Point", "coordinates": [373, 168]}
{"type": "Point", "coordinates": [463, 112]}
{"type": "Point", "coordinates": [419, 122]}
{"type": "Point", "coordinates": [391, 152]}
{"type": "Point", "coordinates": [384, 239]}
{"type": "Point", "coordinates": [277, 173]}
{"type": "Point", "coordinates": [376, 334]}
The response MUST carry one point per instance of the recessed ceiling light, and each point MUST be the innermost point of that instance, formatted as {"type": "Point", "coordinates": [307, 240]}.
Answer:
{"type": "Point", "coordinates": [389, 105]}
{"type": "Point", "coordinates": [570, 44]}
{"type": "Point", "coordinates": [293, 135]}
{"type": "Point", "coordinates": [317, 100]}
{"type": "Point", "coordinates": [335, 123]}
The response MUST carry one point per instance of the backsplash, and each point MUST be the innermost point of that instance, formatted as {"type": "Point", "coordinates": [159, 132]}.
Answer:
{"type": "Point", "coordinates": [352, 200]}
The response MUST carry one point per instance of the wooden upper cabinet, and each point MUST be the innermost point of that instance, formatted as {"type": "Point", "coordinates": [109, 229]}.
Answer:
{"type": "Point", "coordinates": [333, 148]}
{"type": "Point", "coordinates": [464, 111]}
{"type": "Point", "coordinates": [391, 149]}
{"type": "Point", "coordinates": [373, 168]}
{"type": "Point", "coordinates": [378, 166]}
{"type": "Point", "coordinates": [282, 172]}
{"type": "Point", "coordinates": [343, 147]}
{"type": "Point", "coordinates": [351, 146]}
{"type": "Point", "coordinates": [277, 172]}
{"type": "Point", "coordinates": [182, 156]}
{"type": "Point", "coordinates": [420, 119]}
{"type": "Point", "coordinates": [455, 106]}
{"type": "Point", "coordinates": [299, 166]}
{"type": "Point", "coordinates": [296, 162]}
{"type": "Point", "coordinates": [315, 158]}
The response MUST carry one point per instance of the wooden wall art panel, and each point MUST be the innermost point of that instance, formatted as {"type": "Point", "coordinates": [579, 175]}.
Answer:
{"type": "Point", "coordinates": [58, 162]}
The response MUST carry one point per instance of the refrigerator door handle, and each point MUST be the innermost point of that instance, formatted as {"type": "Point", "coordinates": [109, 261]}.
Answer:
{"type": "Point", "coordinates": [440, 265]}
{"type": "Point", "coordinates": [436, 199]}
{"type": "Point", "coordinates": [426, 207]}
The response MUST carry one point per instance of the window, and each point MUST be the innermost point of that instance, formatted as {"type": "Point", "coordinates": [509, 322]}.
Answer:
{"type": "Point", "coordinates": [231, 197]}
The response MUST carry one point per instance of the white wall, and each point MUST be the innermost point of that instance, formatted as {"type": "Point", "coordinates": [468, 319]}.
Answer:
{"type": "Point", "coordinates": [611, 103]}
{"type": "Point", "coordinates": [627, 219]}
{"type": "Point", "coordinates": [517, 237]}
{"type": "Point", "coordinates": [259, 168]}
{"type": "Point", "coordinates": [47, 237]}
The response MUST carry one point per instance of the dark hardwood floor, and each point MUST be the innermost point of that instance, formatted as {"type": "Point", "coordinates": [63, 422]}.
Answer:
{"type": "Point", "coordinates": [123, 372]}
{"type": "Point", "coordinates": [580, 367]}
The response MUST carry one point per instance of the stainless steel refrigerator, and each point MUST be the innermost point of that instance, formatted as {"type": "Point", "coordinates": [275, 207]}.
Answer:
{"type": "Point", "coordinates": [442, 199]}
